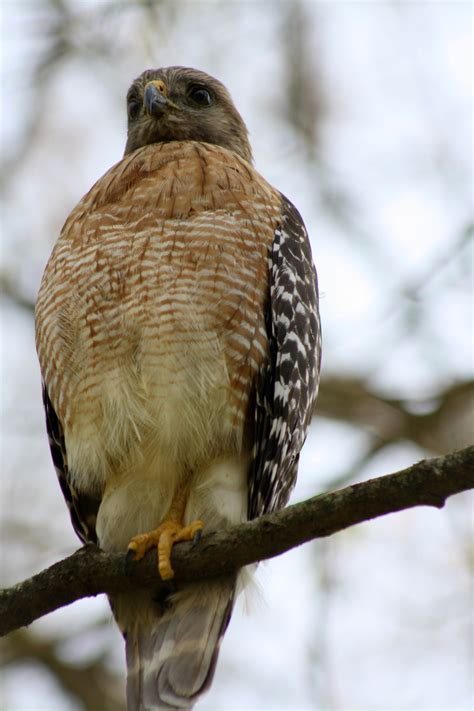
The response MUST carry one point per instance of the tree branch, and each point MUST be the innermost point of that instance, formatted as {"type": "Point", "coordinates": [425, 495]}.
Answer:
{"type": "Point", "coordinates": [438, 423]}
{"type": "Point", "coordinates": [90, 571]}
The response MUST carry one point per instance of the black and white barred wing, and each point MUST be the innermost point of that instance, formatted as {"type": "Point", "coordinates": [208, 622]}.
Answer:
{"type": "Point", "coordinates": [82, 508]}
{"type": "Point", "coordinates": [288, 385]}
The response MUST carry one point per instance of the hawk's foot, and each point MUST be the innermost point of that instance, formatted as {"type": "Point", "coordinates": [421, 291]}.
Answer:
{"type": "Point", "coordinates": [164, 537]}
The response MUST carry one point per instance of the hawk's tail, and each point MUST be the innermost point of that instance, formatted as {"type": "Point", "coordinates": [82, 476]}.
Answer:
{"type": "Point", "coordinates": [172, 651]}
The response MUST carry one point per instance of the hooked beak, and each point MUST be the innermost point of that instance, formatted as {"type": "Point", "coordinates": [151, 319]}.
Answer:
{"type": "Point", "coordinates": [154, 100]}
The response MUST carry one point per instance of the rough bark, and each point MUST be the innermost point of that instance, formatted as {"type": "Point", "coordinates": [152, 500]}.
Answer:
{"type": "Point", "coordinates": [89, 571]}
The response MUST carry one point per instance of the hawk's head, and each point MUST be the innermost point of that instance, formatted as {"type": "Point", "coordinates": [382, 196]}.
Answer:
{"type": "Point", "coordinates": [181, 104]}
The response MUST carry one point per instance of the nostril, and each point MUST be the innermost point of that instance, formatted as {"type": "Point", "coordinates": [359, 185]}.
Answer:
{"type": "Point", "coordinates": [154, 100]}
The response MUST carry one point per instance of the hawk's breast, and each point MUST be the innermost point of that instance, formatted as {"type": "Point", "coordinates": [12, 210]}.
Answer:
{"type": "Point", "coordinates": [152, 305]}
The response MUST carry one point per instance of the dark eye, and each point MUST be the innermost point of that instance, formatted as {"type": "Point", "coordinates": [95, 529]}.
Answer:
{"type": "Point", "coordinates": [199, 95]}
{"type": "Point", "coordinates": [133, 109]}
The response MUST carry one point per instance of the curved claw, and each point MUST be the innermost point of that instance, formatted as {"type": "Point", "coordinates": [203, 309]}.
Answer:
{"type": "Point", "coordinates": [164, 537]}
{"type": "Point", "coordinates": [197, 537]}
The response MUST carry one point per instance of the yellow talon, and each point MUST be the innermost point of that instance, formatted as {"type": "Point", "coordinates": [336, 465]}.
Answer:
{"type": "Point", "coordinates": [164, 537]}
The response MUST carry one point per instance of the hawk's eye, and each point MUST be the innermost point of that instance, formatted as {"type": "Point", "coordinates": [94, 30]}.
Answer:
{"type": "Point", "coordinates": [199, 95]}
{"type": "Point", "coordinates": [133, 109]}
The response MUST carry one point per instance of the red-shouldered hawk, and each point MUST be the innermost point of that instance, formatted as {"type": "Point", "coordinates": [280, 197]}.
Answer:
{"type": "Point", "coordinates": [178, 335]}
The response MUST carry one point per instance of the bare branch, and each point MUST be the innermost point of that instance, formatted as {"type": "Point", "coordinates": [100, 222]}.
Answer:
{"type": "Point", "coordinates": [441, 422]}
{"type": "Point", "coordinates": [90, 571]}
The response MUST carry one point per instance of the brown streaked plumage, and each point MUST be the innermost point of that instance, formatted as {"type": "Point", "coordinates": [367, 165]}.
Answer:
{"type": "Point", "coordinates": [179, 342]}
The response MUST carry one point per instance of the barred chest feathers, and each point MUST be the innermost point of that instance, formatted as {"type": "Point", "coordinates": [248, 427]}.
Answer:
{"type": "Point", "coordinates": [166, 318]}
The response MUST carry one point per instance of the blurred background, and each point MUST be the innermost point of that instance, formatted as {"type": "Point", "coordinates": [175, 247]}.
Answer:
{"type": "Point", "coordinates": [361, 113]}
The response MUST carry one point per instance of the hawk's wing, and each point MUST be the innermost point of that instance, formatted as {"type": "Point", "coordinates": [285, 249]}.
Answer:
{"type": "Point", "coordinates": [288, 385]}
{"type": "Point", "coordinates": [82, 508]}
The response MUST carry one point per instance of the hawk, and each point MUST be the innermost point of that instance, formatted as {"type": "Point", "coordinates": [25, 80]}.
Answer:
{"type": "Point", "coordinates": [178, 335]}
